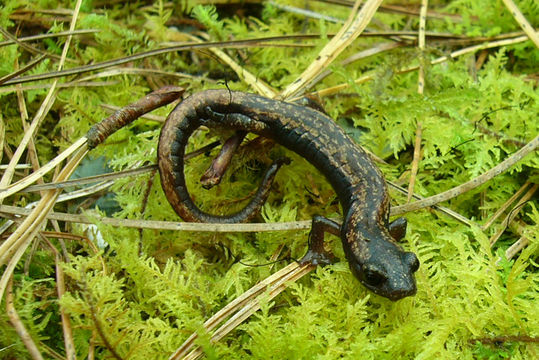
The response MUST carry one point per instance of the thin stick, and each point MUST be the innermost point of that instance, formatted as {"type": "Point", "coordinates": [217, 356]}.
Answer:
{"type": "Point", "coordinates": [22, 70]}
{"type": "Point", "coordinates": [421, 46]}
{"type": "Point", "coordinates": [181, 47]}
{"type": "Point", "coordinates": [76, 83]}
{"type": "Point", "coordinates": [29, 47]}
{"type": "Point", "coordinates": [70, 349]}
{"type": "Point", "coordinates": [46, 36]}
{"type": "Point", "coordinates": [472, 184]}
{"type": "Point", "coordinates": [521, 20]}
{"type": "Point", "coordinates": [451, 213]}
{"type": "Point", "coordinates": [15, 320]}
{"type": "Point", "coordinates": [165, 225]}
{"type": "Point", "coordinates": [14, 247]}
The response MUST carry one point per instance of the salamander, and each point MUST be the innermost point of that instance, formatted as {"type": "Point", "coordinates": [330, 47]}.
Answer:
{"type": "Point", "coordinates": [369, 239]}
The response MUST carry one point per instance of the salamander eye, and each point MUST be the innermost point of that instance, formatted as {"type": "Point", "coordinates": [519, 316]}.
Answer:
{"type": "Point", "coordinates": [373, 277]}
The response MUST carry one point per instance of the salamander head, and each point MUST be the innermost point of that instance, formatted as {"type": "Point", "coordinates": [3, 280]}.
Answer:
{"type": "Point", "coordinates": [379, 263]}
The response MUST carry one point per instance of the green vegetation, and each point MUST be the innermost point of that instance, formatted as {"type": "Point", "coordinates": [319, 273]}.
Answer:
{"type": "Point", "coordinates": [150, 289]}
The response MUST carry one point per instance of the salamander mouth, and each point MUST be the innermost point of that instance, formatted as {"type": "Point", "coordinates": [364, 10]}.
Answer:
{"type": "Point", "coordinates": [398, 294]}
{"type": "Point", "coordinates": [395, 288]}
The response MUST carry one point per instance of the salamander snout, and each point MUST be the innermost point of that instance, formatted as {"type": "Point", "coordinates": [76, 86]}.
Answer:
{"type": "Point", "coordinates": [388, 271]}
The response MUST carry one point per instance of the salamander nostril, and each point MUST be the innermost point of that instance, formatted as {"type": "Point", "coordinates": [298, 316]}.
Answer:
{"type": "Point", "coordinates": [412, 261]}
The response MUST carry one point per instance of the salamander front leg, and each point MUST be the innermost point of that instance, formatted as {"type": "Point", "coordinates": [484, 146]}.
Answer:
{"type": "Point", "coordinates": [316, 254]}
{"type": "Point", "coordinates": [397, 228]}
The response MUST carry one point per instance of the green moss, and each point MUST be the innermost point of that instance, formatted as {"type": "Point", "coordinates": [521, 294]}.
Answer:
{"type": "Point", "coordinates": [147, 303]}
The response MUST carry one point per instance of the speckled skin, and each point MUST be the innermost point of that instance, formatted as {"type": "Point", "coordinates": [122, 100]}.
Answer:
{"type": "Point", "coordinates": [373, 254]}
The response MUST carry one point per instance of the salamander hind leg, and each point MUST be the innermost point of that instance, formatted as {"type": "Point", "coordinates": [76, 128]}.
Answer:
{"type": "Point", "coordinates": [213, 175]}
{"type": "Point", "coordinates": [316, 254]}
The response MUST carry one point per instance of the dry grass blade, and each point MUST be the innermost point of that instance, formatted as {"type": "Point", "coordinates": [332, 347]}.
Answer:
{"type": "Point", "coordinates": [348, 33]}
{"type": "Point", "coordinates": [488, 45]}
{"type": "Point", "coordinates": [472, 184]}
{"type": "Point", "coordinates": [513, 213]}
{"type": "Point", "coordinates": [43, 110]}
{"type": "Point", "coordinates": [232, 307]}
{"type": "Point", "coordinates": [15, 246]}
{"type": "Point", "coordinates": [254, 82]}
{"type": "Point", "coordinates": [508, 203]}
{"type": "Point", "coordinates": [514, 249]}
{"type": "Point", "coordinates": [32, 178]}
{"type": "Point", "coordinates": [523, 22]}
{"type": "Point", "coordinates": [248, 305]}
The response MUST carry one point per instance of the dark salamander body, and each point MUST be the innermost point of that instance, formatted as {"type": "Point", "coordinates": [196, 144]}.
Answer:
{"type": "Point", "coordinates": [369, 240]}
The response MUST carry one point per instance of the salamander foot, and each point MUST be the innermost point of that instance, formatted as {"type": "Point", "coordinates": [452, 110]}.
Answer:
{"type": "Point", "coordinates": [318, 258]}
